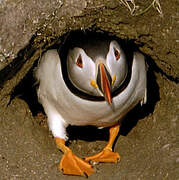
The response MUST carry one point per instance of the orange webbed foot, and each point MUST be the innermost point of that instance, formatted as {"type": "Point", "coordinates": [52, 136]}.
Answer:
{"type": "Point", "coordinates": [73, 165]}
{"type": "Point", "coordinates": [107, 155]}
{"type": "Point", "coordinates": [104, 156]}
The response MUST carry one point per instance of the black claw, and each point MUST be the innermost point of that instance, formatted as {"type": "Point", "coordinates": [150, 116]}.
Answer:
{"type": "Point", "coordinates": [86, 175]}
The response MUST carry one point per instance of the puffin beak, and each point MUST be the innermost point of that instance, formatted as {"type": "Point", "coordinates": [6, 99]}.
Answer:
{"type": "Point", "coordinates": [104, 82]}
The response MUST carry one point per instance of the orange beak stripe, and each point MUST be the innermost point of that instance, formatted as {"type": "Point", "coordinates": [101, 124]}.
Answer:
{"type": "Point", "coordinates": [105, 85]}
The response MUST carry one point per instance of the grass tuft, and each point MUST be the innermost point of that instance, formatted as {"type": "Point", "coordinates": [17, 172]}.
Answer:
{"type": "Point", "coordinates": [136, 11]}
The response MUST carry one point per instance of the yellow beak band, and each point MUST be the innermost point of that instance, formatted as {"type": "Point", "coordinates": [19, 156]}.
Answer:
{"type": "Point", "coordinates": [113, 79]}
{"type": "Point", "coordinates": [93, 83]}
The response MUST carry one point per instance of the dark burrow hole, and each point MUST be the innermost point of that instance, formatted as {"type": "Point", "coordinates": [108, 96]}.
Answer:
{"type": "Point", "coordinates": [26, 90]}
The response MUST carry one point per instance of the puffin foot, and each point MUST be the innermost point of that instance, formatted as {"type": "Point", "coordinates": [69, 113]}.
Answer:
{"type": "Point", "coordinates": [104, 156]}
{"type": "Point", "coordinates": [73, 165]}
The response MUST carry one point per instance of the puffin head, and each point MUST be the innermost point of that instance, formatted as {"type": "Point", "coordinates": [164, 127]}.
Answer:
{"type": "Point", "coordinates": [97, 67]}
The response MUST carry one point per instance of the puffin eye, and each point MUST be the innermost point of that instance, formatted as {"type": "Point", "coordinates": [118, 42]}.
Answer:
{"type": "Point", "coordinates": [79, 62]}
{"type": "Point", "coordinates": [116, 53]}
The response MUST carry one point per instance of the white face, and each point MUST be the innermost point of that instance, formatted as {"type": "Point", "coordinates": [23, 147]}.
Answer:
{"type": "Point", "coordinates": [117, 64]}
{"type": "Point", "coordinates": [82, 70]}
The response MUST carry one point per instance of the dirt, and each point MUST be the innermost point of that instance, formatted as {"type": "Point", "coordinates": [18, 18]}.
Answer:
{"type": "Point", "coordinates": [148, 140]}
{"type": "Point", "coordinates": [148, 145]}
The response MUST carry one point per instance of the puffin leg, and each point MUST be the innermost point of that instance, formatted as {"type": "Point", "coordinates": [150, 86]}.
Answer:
{"type": "Point", "coordinates": [71, 164]}
{"type": "Point", "coordinates": [107, 155]}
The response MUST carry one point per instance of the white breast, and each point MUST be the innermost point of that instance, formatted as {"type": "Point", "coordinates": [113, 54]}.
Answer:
{"type": "Point", "coordinates": [56, 97]}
